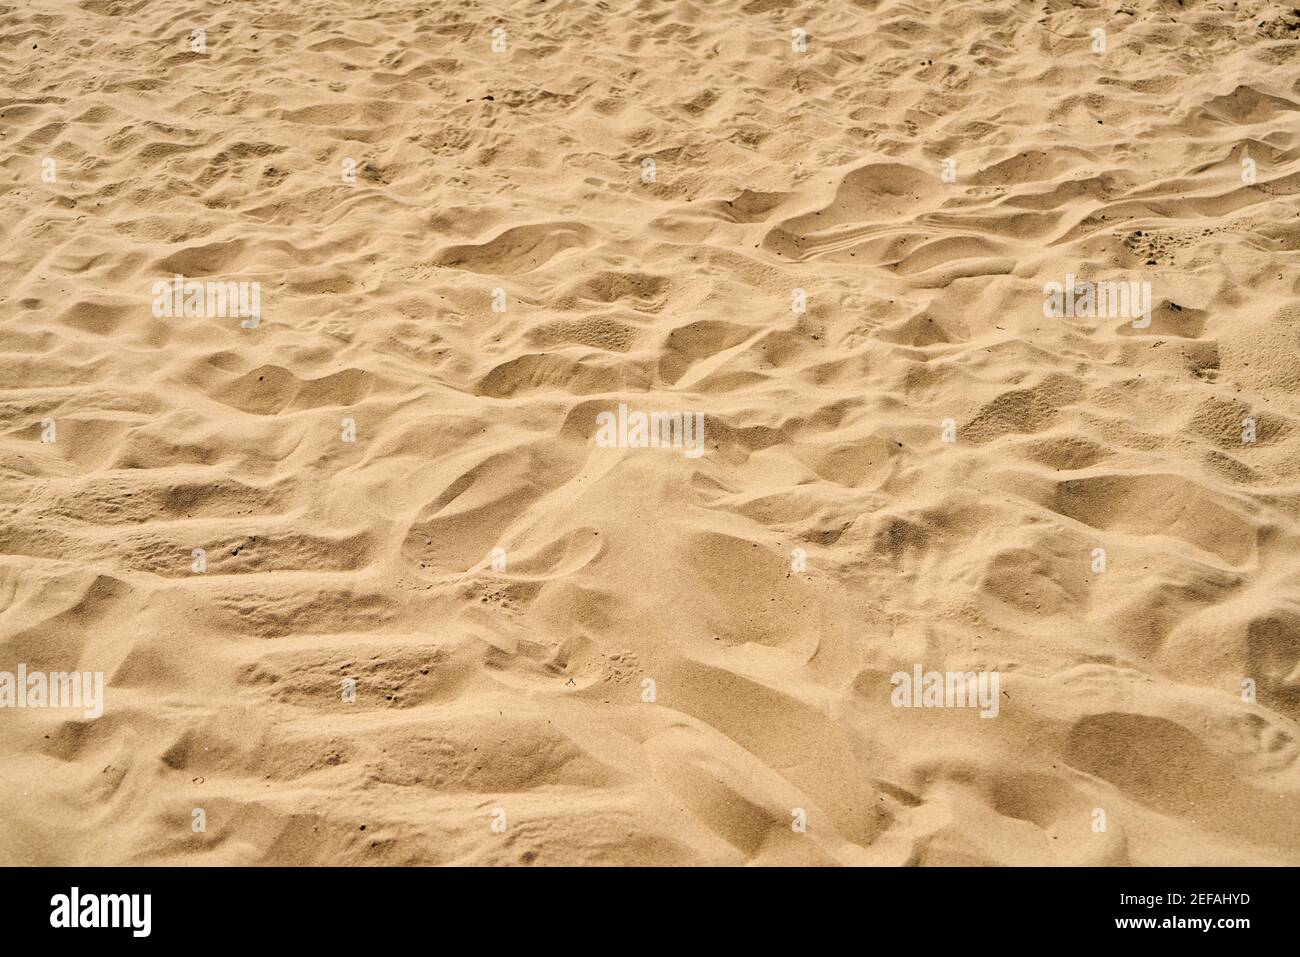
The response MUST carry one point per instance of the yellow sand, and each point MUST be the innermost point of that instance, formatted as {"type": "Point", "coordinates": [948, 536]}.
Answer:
{"type": "Point", "coordinates": [499, 714]}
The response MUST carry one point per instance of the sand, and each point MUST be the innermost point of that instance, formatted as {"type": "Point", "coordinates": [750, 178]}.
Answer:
{"type": "Point", "coordinates": [381, 575]}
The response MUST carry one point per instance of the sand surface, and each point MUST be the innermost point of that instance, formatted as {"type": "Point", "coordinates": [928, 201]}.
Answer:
{"type": "Point", "coordinates": [505, 268]}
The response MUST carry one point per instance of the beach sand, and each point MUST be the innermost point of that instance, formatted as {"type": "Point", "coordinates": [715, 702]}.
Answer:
{"type": "Point", "coordinates": [375, 573]}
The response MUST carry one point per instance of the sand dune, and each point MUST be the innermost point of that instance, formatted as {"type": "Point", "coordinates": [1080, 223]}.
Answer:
{"type": "Point", "coordinates": [376, 570]}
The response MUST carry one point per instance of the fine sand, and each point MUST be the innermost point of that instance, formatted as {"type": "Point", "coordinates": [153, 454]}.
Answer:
{"type": "Point", "coordinates": [365, 581]}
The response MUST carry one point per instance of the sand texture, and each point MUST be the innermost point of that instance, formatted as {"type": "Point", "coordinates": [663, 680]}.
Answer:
{"type": "Point", "coordinates": [566, 651]}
